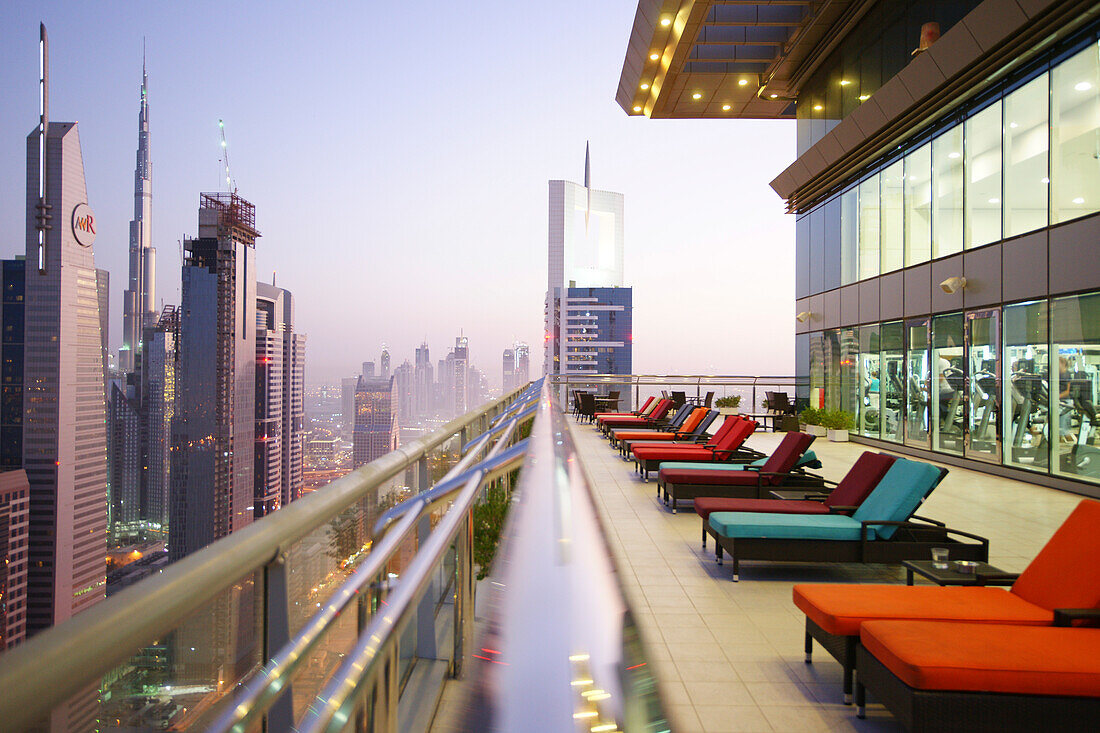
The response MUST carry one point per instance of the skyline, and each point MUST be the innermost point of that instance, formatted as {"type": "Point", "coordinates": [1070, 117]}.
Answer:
{"type": "Point", "coordinates": [446, 167]}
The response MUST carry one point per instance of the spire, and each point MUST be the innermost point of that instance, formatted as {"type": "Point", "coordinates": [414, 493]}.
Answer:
{"type": "Point", "coordinates": [587, 188]}
{"type": "Point", "coordinates": [43, 213]}
{"type": "Point", "coordinates": [587, 167]}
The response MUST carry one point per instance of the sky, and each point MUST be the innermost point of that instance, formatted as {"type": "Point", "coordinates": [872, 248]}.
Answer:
{"type": "Point", "coordinates": [398, 156]}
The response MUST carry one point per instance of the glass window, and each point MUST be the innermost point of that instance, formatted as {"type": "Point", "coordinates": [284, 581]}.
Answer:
{"type": "Point", "coordinates": [918, 205]}
{"type": "Point", "coordinates": [1025, 390]}
{"type": "Point", "coordinates": [891, 233]}
{"type": "Point", "coordinates": [983, 440]}
{"type": "Point", "coordinates": [948, 384]}
{"type": "Point", "coordinates": [1026, 183]}
{"type": "Point", "coordinates": [817, 370]}
{"type": "Point", "coordinates": [832, 369]}
{"type": "Point", "coordinates": [947, 185]}
{"type": "Point", "coordinates": [1075, 136]}
{"type": "Point", "coordinates": [983, 177]}
{"type": "Point", "coordinates": [917, 373]}
{"type": "Point", "coordinates": [892, 380]}
{"type": "Point", "coordinates": [849, 236]}
{"type": "Point", "coordinates": [1075, 333]}
{"type": "Point", "coordinates": [869, 423]}
{"type": "Point", "coordinates": [850, 387]}
{"type": "Point", "coordinates": [868, 228]}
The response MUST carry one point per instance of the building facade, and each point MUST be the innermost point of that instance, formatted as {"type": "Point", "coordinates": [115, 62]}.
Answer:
{"type": "Point", "coordinates": [376, 427]}
{"type": "Point", "coordinates": [159, 374]}
{"type": "Point", "coordinates": [424, 378]}
{"type": "Point", "coordinates": [139, 299]}
{"type": "Point", "coordinates": [213, 435]}
{"type": "Point", "coordinates": [14, 546]}
{"type": "Point", "coordinates": [461, 366]}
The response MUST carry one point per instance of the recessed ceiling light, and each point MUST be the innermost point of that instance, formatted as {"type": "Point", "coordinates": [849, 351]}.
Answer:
{"type": "Point", "coordinates": [697, 95]}
{"type": "Point", "coordinates": [1082, 86]}
{"type": "Point", "coordinates": [1078, 200]}
{"type": "Point", "coordinates": [666, 22]}
{"type": "Point", "coordinates": [844, 82]}
{"type": "Point", "coordinates": [1013, 125]}
{"type": "Point", "coordinates": [994, 201]}
{"type": "Point", "coordinates": [637, 108]}
{"type": "Point", "coordinates": [864, 97]}
{"type": "Point", "coordinates": [818, 108]}
{"type": "Point", "coordinates": [742, 82]}
{"type": "Point", "coordinates": [773, 96]}
{"type": "Point", "coordinates": [725, 108]}
{"type": "Point", "coordinates": [644, 87]}
{"type": "Point", "coordinates": [953, 156]}
{"type": "Point", "coordinates": [654, 56]}
{"type": "Point", "coordinates": [1044, 180]}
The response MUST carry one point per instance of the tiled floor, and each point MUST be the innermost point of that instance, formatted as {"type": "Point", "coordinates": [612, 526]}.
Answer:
{"type": "Point", "coordinates": [729, 655]}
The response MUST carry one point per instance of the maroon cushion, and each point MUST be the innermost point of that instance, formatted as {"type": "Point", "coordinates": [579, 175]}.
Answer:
{"type": "Point", "coordinates": [703, 477]}
{"type": "Point", "coordinates": [784, 457]}
{"type": "Point", "coordinates": [707, 504]}
{"type": "Point", "coordinates": [860, 480]}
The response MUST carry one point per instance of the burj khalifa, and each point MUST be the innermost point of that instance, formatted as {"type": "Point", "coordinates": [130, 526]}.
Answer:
{"type": "Point", "coordinates": [139, 300]}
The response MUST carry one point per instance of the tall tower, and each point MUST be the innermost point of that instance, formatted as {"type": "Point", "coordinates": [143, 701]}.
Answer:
{"type": "Point", "coordinates": [424, 381]}
{"type": "Point", "coordinates": [588, 311]}
{"type": "Point", "coordinates": [461, 365]}
{"type": "Point", "coordinates": [213, 433]}
{"type": "Point", "coordinates": [139, 299]}
{"type": "Point", "coordinates": [64, 435]}
{"type": "Point", "coordinates": [384, 362]}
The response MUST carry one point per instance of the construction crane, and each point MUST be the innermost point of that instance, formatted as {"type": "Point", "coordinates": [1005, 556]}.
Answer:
{"type": "Point", "coordinates": [225, 158]}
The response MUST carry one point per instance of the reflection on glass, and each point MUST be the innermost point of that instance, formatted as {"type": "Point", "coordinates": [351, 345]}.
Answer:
{"type": "Point", "coordinates": [1026, 394]}
{"type": "Point", "coordinates": [917, 383]}
{"type": "Point", "coordinates": [817, 369]}
{"type": "Point", "coordinates": [983, 440]}
{"type": "Point", "coordinates": [949, 383]}
{"type": "Point", "coordinates": [891, 234]}
{"type": "Point", "coordinates": [868, 228]}
{"type": "Point", "coordinates": [1075, 136]}
{"type": "Point", "coordinates": [983, 177]}
{"type": "Point", "coordinates": [918, 205]}
{"type": "Point", "coordinates": [832, 369]}
{"type": "Point", "coordinates": [849, 372]}
{"type": "Point", "coordinates": [849, 236]}
{"type": "Point", "coordinates": [1026, 181]}
{"type": "Point", "coordinates": [892, 380]}
{"type": "Point", "coordinates": [1075, 332]}
{"type": "Point", "coordinates": [947, 186]}
{"type": "Point", "coordinates": [870, 383]}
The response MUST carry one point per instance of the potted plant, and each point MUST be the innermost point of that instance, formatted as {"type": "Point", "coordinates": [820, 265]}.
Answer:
{"type": "Point", "coordinates": [837, 424]}
{"type": "Point", "coordinates": [811, 419]}
{"type": "Point", "coordinates": [728, 405]}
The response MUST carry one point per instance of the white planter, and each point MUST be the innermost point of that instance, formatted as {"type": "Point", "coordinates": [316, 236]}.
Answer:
{"type": "Point", "coordinates": [815, 430]}
{"type": "Point", "coordinates": [728, 410]}
{"type": "Point", "coordinates": [838, 436]}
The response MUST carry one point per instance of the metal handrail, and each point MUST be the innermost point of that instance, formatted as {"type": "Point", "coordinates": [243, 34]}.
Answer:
{"type": "Point", "coordinates": [262, 690]}
{"type": "Point", "coordinates": [49, 668]}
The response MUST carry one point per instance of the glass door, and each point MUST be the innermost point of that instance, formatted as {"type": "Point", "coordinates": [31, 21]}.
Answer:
{"type": "Point", "coordinates": [892, 380]}
{"type": "Point", "coordinates": [983, 386]}
{"type": "Point", "coordinates": [948, 384]}
{"type": "Point", "coordinates": [870, 383]}
{"type": "Point", "coordinates": [917, 382]}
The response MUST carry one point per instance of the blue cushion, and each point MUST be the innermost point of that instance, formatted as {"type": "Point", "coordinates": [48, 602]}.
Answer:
{"type": "Point", "coordinates": [898, 494]}
{"type": "Point", "coordinates": [785, 526]}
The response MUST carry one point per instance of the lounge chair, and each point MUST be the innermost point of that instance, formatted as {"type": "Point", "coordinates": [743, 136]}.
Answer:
{"type": "Point", "coordinates": [675, 423]}
{"type": "Point", "coordinates": [724, 445]}
{"type": "Point", "coordinates": [1056, 578]}
{"type": "Point", "coordinates": [609, 422]}
{"type": "Point", "coordinates": [751, 482]}
{"type": "Point", "coordinates": [861, 479]}
{"type": "Point", "coordinates": [880, 531]}
{"type": "Point", "coordinates": [693, 429]}
{"type": "Point", "coordinates": [949, 676]}
{"type": "Point", "coordinates": [647, 407]}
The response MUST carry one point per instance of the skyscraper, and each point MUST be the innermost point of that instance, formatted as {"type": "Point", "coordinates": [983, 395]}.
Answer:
{"type": "Point", "coordinates": [423, 377]}
{"type": "Point", "coordinates": [12, 322]}
{"type": "Point", "coordinates": [347, 403]}
{"type": "Point", "coordinates": [159, 368]}
{"type": "Point", "coordinates": [588, 311]}
{"type": "Point", "coordinates": [280, 392]}
{"type": "Point", "coordinates": [368, 369]}
{"type": "Point", "coordinates": [376, 428]}
{"type": "Point", "coordinates": [213, 434]}
{"type": "Point", "coordinates": [139, 298]}
{"type": "Point", "coordinates": [403, 384]}
{"type": "Point", "coordinates": [64, 436]}
{"type": "Point", "coordinates": [508, 371]}
{"type": "Point", "coordinates": [523, 363]}
{"type": "Point", "coordinates": [461, 365]}
{"type": "Point", "coordinates": [384, 362]}
{"type": "Point", "coordinates": [14, 524]}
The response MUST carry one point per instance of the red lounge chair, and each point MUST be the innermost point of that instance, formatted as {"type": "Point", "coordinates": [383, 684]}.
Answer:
{"type": "Point", "coordinates": [726, 444]}
{"type": "Point", "coordinates": [857, 484]}
{"type": "Point", "coordinates": [643, 410]}
{"type": "Point", "coordinates": [751, 483]}
{"type": "Point", "coordinates": [609, 422]}
{"type": "Point", "coordinates": [948, 676]}
{"type": "Point", "coordinates": [1065, 574]}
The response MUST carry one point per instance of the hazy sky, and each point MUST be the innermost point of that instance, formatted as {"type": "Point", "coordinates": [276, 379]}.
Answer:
{"type": "Point", "coordinates": [398, 156]}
